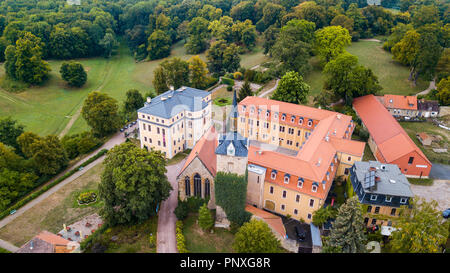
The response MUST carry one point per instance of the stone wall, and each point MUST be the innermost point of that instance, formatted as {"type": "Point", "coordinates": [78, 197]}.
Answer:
{"type": "Point", "coordinates": [238, 164]}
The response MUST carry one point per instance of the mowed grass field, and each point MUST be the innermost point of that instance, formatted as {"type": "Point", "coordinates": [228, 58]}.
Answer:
{"type": "Point", "coordinates": [54, 211]}
{"type": "Point", "coordinates": [393, 77]}
{"type": "Point", "coordinates": [48, 109]}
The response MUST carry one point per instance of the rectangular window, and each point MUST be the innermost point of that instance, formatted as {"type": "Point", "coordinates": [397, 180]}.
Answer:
{"type": "Point", "coordinates": [271, 190]}
{"type": "Point", "coordinates": [144, 126]}
{"type": "Point", "coordinates": [283, 207]}
{"type": "Point", "coordinates": [393, 211]}
{"type": "Point", "coordinates": [295, 211]}
{"type": "Point", "coordinates": [369, 209]}
{"type": "Point", "coordinates": [410, 161]}
{"type": "Point", "coordinates": [299, 132]}
{"type": "Point", "coordinates": [374, 221]}
{"type": "Point", "coordinates": [377, 210]}
{"type": "Point", "coordinates": [157, 130]}
{"type": "Point", "coordinates": [297, 198]}
{"type": "Point", "coordinates": [311, 203]}
{"type": "Point", "coordinates": [284, 194]}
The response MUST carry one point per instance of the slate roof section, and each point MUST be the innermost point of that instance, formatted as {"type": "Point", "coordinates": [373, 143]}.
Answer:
{"type": "Point", "coordinates": [173, 102]}
{"type": "Point", "coordinates": [400, 186]}
{"type": "Point", "coordinates": [240, 144]}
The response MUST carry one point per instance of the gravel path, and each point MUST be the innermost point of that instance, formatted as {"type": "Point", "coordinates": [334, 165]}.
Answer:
{"type": "Point", "coordinates": [270, 90]}
{"type": "Point", "coordinates": [430, 87]}
{"type": "Point", "coordinates": [439, 191]}
{"type": "Point", "coordinates": [166, 241]}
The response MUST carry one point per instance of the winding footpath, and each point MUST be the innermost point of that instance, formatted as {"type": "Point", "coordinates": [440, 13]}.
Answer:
{"type": "Point", "coordinates": [166, 239]}
{"type": "Point", "coordinates": [270, 90]}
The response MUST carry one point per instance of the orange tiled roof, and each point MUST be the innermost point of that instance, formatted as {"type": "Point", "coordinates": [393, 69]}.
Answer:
{"type": "Point", "coordinates": [272, 220]}
{"type": "Point", "coordinates": [423, 135]}
{"type": "Point", "coordinates": [400, 102]}
{"type": "Point", "coordinates": [205, 150]}
{"type": "Point", "coordinates": [348, 146]}
{"type": "Point", "coordinates": [392, 141]}
{"type": "Point", "coordinates": [52, 238]}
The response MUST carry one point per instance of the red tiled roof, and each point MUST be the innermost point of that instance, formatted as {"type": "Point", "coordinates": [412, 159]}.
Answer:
{"type": "Point", "coordinates": [52, 238]}
{"type": "Point", "coordinates": [204, 149]}
{"type": "Point", "coordinates": [391, 139]}
{"type": "Point", "coordinates": [272, 220]}
{"type": "Point", "coordinates": [400, 102]}
{"type": "Point", "coordinates": [348, 146]}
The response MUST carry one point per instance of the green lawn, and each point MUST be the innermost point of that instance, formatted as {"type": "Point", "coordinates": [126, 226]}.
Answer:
{"type": "Point", "coordinates": [421, 181]}
{"type": "Point", "coordinates": [198, 241]}
{"type": "Point", "coordinates": [48, 109]}
{"type": "Point", "coordinates": [393, 77]}
{"type": "Point", "coordinates": [54, 211]}
{"type": "Point", "coordinates": [368, 155]}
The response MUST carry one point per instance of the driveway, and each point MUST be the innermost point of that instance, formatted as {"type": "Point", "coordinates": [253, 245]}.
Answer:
{"type": "Point", "coordinates": [439, 191]}
{"type": "Point", "coordinates": [440, 171]}
{"type": "Point", "coordinates": [166, 241]}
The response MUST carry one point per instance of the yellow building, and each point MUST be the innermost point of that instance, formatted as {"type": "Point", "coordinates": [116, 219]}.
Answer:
{"type": "Point", "coordinates": [175, 120]}
{"type": "Point", "coordinates": [295, 152]}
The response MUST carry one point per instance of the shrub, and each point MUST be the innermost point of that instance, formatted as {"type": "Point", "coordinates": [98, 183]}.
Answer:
{"type": "Point", "coordinates": [181, 241]}
{"type": "Point", "coordinates": [152, 240]}
{"type": "Point", "coordinates": [194, 203]}
{"type": "Point", "coordinates": [205, 219]}
{"type": "Point", "coordinates": [227, 81]}
{"type": "Point", "coordinates": [237, 75]}
{"type": "Point", "coordinates": [181, 211]}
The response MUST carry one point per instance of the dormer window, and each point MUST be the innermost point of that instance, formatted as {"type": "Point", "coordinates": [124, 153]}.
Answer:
{"type": "Point", "coordinates": [276, 115]}
{"type": "Point", "coordinates": [388, 198]}
{"type": "Point", "coordinates": [293, 119]}
{"type": "Point", "coordinates": [300, 121]}
{"type": "Point", "coordinates": [403, 200]}
{"type": "Point", "coordinates": [283, 117]}
{"type": "Point", "coordinates": [332, 166]}
{"type": "Point", "coordinates": [259, 111]}
{"type": "Point", "coordinates": [286, 178]}
{"type": "Point", "coordinates": [300, 183]}
{"type": "Point", "coordinates": [267, 113]}
{"type": "Point", "coordinates": [244, 108]}
{"type": "Point", "coordinates": [314, 187]}
{"type": "Point", "coordinates": [230, 149]}
{"type": "Point", "coordinates": [252, 110]}
{"type": "Point", "coordinates": [328, 176]}
{"type": "Point", "coordinates": [273, 175]}
{"type": "Point", "coordinates": [373, 197]}
{"type": "Point", "coordinates": [310, 122]}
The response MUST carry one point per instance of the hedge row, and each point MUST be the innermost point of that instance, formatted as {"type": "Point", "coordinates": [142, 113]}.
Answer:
{"type": "Point", "coordinates": [227, 81]}
{"type": "Point", "coordinates": [45, 188]}
{"type": "Point", "coordinates": [181, 241]}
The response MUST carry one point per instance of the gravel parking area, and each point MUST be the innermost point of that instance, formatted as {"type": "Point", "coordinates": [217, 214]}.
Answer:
{"type": "Point", "coordinates": [439, 191]}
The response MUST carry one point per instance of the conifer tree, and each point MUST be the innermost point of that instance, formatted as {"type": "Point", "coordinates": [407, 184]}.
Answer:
{"type": "Point", "coordinates": [245, 91]}
{"type": "Point", "coordinates": [347, 234]}
{"type": "Point", "coordinates": [205, 220]}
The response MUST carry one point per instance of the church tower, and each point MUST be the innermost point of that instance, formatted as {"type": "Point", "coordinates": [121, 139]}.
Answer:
{"type": "Point", "coordinates": [232, 149]}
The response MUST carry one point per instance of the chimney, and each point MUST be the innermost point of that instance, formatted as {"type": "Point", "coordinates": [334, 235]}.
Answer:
{"type": "Point", "coordinates": [149, 99]}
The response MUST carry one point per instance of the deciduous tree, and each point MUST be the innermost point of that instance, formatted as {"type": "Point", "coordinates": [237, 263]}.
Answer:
{"type": "Point", "coordinates": [101, 113]}
{"type": "Point", "coordinates": [158, 45]}
{"type": "Point", "coordinates": [420, 229]}
{"type": "Point", "coordinates": [10, 130]}
{"type": "Point", "coordinates": [132, 184]}
{"type": "Point", "coordinates": [256, 237]}
{"type": "Point", "coordinates": [292, 88]}
{"type": "Point", "coordinates": [331, 41]}
{"type": "Point", "coordinates": [73, 73]}
{"type": "Point", "coordinates": [198, 72]}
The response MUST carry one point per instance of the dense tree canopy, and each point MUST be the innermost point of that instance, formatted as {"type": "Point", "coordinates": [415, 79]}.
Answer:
{"type": "Point", "coordinates": [73, 73]}
{"type": "Point", "coordinates": [133, 183]}
{"type": "Point", "coordinates": [101, 113]}
{"type": "Point", "coordinates": [256, 236]}
{"type": "Point", "coordinates": [331, 41]}
{"type": "Point", "coordinates": [292, 88]}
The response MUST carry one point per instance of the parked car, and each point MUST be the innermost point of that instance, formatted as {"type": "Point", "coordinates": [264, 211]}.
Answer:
{"type": "Point", "coordinates": [122, 129]}
{"type": "Point", "coordinates": [446, 213]}
{"type": "Point", "coordinates": [134, 122]}
{"type": "Point", "coordinates": [301, 233]}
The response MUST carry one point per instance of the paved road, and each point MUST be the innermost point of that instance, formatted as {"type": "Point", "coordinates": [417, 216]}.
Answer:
{"type": "Point", "coordinates": [116, 139]}
{"type": "Point", "coordinates": [439, 191]}
{"type": "Point", "coordinates": [430, 87]}
{"type": "Point", "coordinates": [8, 246]}
{"type": "Point", "coordinates": [440, 171]}
{"type": "Point", "coordinates": [166, 241]}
